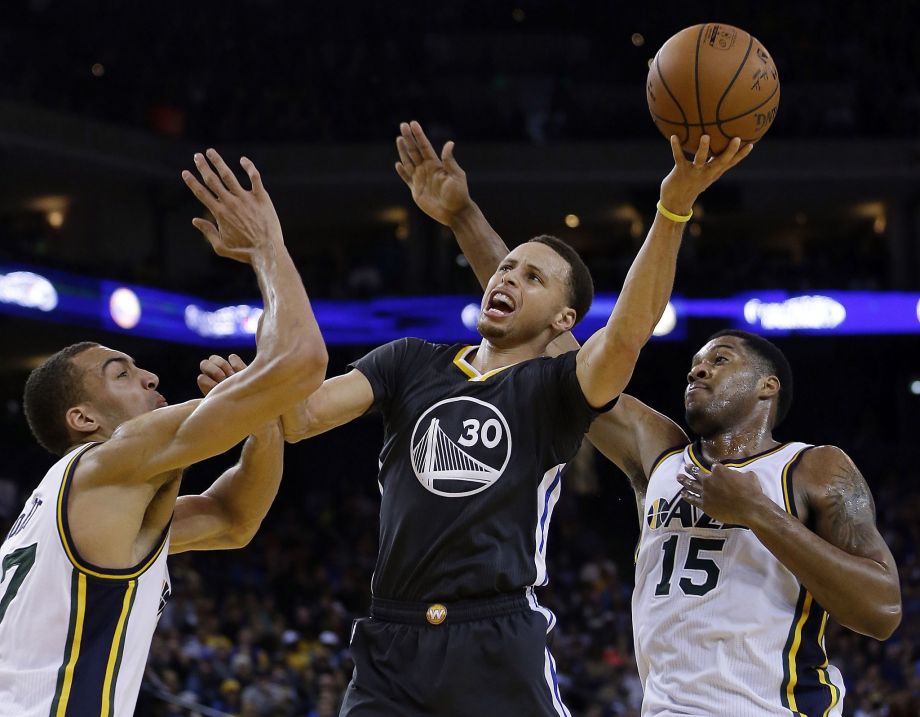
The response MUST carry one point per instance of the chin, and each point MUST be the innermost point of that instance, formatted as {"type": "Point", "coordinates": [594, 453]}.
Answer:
{"type": "Point", "coordinates": [490, 331]}
{"type": "Point", "coordinates": [697, 421]}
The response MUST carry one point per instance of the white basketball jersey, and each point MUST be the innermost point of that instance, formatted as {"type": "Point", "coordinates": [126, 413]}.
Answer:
{"type": "Point", "coordinates": [74, 638]}
{"type": "Point", "coordinates": [722, 628]}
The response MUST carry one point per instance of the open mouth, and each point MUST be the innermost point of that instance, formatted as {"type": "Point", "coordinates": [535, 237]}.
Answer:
{"type": "Point", "coordinates": [499, 304]}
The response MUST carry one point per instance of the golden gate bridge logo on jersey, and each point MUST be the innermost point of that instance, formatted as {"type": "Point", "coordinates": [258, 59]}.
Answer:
{"type": "Point", "coordinates": [460, 446]}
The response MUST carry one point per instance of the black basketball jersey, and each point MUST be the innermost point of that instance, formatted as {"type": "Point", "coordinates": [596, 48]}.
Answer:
{"type": "Point", "coordinates": [471, 468]}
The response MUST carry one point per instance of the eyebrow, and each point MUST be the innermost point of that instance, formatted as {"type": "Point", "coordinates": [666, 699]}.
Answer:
{"type": "Point", "coordinates": [696, 357]}
{"type": "Point", "coordinates": [117, 359]}
{"type": "Point", "coordinates": [528, 265]}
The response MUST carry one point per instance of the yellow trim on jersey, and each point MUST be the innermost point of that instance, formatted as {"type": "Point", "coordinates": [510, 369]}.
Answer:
{"type": "Point", "coordinates": [787, 497]}
{"type": "Point", "coordinates": [113, 652]}
{"type": "Point", "coordinates": [793, 651]}
{"type": "Point", "coordinates": [488, 374]}
{"type": "Point", "coordinates": [470, 370]}
{"type": "Point", "coordinates": [663, 458]}
{"type": "Point", "coordinates": [460, 362]}
{"type": "Point", "coordinates": [822, 670]}
{"type": "Point", "coordinates": [74, 646]}
{"type": "Point", "coordinates": [735, 464]}
{"type": "Point", "coordinates": [71, 552]}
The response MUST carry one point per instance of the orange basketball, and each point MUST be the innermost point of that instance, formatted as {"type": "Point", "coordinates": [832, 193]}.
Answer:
{"type": "Point", "coordinates": [713, 79]}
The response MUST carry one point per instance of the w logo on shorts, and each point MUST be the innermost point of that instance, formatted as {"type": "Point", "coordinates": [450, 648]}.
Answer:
{"type": "Point", "coordinates": [460, 446]}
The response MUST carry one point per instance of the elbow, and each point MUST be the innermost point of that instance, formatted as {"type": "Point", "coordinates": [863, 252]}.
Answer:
{"type": "Point", "coordinates": [878, 624]}
{"type": "Point", "coordinates": [302, 367]}
{"type": "Point", "coordinates": [626, 343]}
{"type": "Point", "coordinates": [241, 536]}
{"type": "Point", "coordinates": [886, 622]}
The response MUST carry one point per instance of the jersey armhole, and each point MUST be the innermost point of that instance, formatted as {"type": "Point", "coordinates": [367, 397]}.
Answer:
{"type": "Point", "coordinates": [789, 502]}
{"type": "Point", "coordinates": [663, 456]}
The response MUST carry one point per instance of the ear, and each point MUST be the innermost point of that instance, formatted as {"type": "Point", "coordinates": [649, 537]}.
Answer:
{"type": "Point", "coordinates": [564, 320]}
{"type": "Point", "coordinates": [769, 387]}
{"type": "Point", "coordinates": [80, 420]}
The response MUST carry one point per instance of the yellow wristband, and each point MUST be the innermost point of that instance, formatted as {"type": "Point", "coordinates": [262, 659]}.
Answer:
{"type": "Point", "coordinates": [679, 218]}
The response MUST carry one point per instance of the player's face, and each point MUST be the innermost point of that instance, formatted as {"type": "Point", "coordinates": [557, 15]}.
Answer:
{"type": "Point", "coordinates": [722, 386]}
{"type": "Point", "coordinates": [116, 389]}
{"type": "Point", "coordinates": [526, 295]}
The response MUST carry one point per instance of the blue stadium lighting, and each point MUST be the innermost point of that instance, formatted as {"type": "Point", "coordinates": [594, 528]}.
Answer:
{"type": "Point", "coordinates": [28, 290]}
{"type": "Point", "coordinates": [58, 296]}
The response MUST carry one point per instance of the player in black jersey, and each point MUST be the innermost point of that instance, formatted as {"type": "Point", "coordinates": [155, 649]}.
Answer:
{"type": "Point", "coordinates": [476, 439]}
{"type": "Point", "coordinates": [825, 535]}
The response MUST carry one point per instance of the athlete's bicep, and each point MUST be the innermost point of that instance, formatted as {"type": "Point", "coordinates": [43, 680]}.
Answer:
{"type": "Point", "coordinates": [842, 506]}
{"type": "Point", "coordinates": [199, 523]}
{"type": "Point", "coordinates": [339, 400]}
{"type": "Point", "coordinates": [632, 436]}
{"type": "Point", "coordinates": [179, 436]}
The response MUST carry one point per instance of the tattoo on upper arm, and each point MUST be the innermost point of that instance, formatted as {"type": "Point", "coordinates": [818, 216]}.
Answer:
{"type": "Point", "coordinates": [849, 511]}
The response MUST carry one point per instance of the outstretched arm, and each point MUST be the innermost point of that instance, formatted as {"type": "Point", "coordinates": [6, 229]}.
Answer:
{"type": "Point", "coordinates": [845, 563]}
{"type": "Point", "coordinates": [228, 514]}
{"type": "Point", "coordinates": [632, 435]}
{"type": "Point", "coordinates": [291, 357]}
{"type": "Point", "coordinates": [439, 188]}
{"type": "Point", "coordinates": [607, 359]}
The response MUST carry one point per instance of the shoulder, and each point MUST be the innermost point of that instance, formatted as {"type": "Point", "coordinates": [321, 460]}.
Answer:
{"type": "Point", "coordinates": [823, 466]}
{"type": "Point", "coordinates": [829, 478]}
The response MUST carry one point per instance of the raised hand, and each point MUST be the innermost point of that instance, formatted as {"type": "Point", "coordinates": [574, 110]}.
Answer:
{"type": "Point", "coordinates": [246, 219]}
{"type": "Point", "coordinates": [689, 179]}
{"type": "Point", "coordinates": [438, 184]}
{"type": "Point", "coordinates": [215, 369]}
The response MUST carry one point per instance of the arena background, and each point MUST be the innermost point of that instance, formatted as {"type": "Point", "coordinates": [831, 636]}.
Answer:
{"type": "Point", "coordinates": [101, 106]}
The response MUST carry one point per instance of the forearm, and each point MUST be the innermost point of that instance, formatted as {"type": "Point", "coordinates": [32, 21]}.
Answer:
{"type": "Point", "coordinates": [288, 331]}
{"type": "Point", "coordinates": [479, 242]}
{"type": "Point", "coordinates": [647, 286]}
{"type": "Point", "coordinates": [246, 492]}
{"type": "Point", "coordinates": [860, 593]}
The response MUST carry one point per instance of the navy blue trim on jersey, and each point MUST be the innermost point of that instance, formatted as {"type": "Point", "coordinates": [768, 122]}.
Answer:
{"type": "Point", "coordinates": [103, 614]}
{"type": "Point", "coordinates": [70, 549]}
{"type": "Point", "coordinates": [806, 689]}
{"type": "Point", "coordinates": [100, 611]}
{"type": "Point", "coordinates": [696, 453]}
{"type": "Point", "coordinates": [664, 455]}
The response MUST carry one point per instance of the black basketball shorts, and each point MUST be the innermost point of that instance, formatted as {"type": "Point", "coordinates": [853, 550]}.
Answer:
{"type": "Point", "coordinates": [481, 658]}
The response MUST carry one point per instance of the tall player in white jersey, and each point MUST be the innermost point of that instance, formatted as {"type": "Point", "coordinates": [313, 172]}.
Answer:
{"type": "Point", "coordinates": [84, 566]}
{"type": "Point", "coordinates": [747, 544]}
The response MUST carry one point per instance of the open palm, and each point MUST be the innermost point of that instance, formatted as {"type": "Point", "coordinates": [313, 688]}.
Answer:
{"type": "Point", "coordinates": [438, 184]}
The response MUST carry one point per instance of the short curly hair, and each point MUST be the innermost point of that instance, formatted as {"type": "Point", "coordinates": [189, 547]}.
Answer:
{"type": "Point", "coordinates": [51, 389]}
{"type": "Point", "coordinates": [581, 285]}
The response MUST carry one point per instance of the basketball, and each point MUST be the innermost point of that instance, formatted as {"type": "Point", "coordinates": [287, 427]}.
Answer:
{"type": "Point", "coordinates": [713, 79]}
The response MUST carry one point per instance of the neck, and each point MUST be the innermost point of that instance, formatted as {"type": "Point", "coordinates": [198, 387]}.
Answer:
{"type": "Point", "coordinates": [490, 357]}
{"type": "Point", "coordinates": [737, 443]}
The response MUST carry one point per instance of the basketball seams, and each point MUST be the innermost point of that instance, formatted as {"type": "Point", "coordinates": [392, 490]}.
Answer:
{"type": "Point", "coordinates": [696, 79]}
{"type": "Point", "coordinates": [712, 73]}
{"type": "Point", "coordinates": [680, 109]}
{"type": "Point", "coordinates": [752, 109]}
{"type": "Point", "coordinates": [747, 54]}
